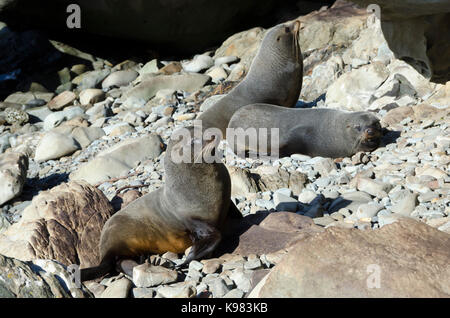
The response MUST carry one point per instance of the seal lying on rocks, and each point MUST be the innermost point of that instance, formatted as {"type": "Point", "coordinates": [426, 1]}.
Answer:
{"type": "Point", "coordinates": [275, 77]}
{"type": "Point", "coordinates": [313, 132]}
{"type": "Point", "coordinates": [189, 210]}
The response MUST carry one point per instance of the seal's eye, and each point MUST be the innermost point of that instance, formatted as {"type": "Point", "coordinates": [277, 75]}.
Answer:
{"type": "Point", "coordinates": [358, 127]}
{"type": "Point", "coordinates": [287, 30]}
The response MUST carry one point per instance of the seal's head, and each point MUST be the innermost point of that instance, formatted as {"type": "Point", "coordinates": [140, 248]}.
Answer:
{"type": "Point", "coordinates": [365, 129]}
{"type": "Point", "coordinates": [282, 40]}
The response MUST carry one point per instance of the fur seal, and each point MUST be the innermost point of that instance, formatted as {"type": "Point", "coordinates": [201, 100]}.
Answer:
{"type": "Point", "coordinates": [274, 77]}
{"type": "Point", "coordinates": [189, 210]}
{"type": "Point", "coordinates": [313, 132]}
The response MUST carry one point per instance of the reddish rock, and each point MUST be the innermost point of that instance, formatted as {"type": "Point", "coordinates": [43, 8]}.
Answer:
{"type": "Point", "coordinates": [264, 233]}
{"type": "Point", "coordinates": [404, 259]}
{"type": "Point", "coordinates": [63, 223]}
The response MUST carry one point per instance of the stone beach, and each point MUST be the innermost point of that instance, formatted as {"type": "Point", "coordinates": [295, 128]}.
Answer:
{"type": "Point", "coordinates": [71, 158]}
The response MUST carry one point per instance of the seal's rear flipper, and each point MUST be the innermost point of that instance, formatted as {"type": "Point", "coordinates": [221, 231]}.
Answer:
{"type": "Point", "coordinates": [205, 239]}
{"type": "Point", "coordinates": [106, 266]}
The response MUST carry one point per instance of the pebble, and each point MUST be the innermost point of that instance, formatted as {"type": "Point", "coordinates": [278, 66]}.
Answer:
{"type": "Point", "coordinates": [181, 290]}
{"type": "Point", "coordinates": [117, 289]}
{"type": "Point", "coordinates": [199, 63]}
{"type": "Point", "coordinates": [146, 275]}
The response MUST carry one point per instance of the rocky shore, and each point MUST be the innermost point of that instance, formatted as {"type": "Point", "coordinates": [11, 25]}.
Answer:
{"type": "Point", "coordinates": [72, 157]}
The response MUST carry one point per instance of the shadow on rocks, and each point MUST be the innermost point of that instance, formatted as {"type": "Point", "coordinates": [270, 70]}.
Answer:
{"type": "Point", "coordinates": [302, 104]}
{"type": "Point", "coordinates": [234, 228]}
{"type": "Point", "coordinates": [34, 185]}
{"type": "Point", "coordinates": [389, 137]}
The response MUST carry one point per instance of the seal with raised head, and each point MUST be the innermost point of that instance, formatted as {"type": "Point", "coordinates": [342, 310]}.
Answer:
{"type": "Point", "coordinates": [313, 132]}
{"type": "Point", "coordinates": [188, 210]}
{"type": "Point", "coordinates": [274, 77]}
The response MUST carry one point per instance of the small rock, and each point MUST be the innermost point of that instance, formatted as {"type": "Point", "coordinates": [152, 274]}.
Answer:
{"type": "Point", "coordinates": [13, 173]}
{"type": "Point", "coordinates": [182, 290]}
{"type": "Point", "coordinates": [367, 211]}
{"type": "Point", "coordinates": [146, 275]}
{"type": "Point", "coordinates": [373, 187]}
{"type": "Point", "coordinates": [199, 63]}
{"type": "Point", "coordinates": [55, 119]}
{"type": "Point", "coordinates": [64, 99]}
{"type": "Point", "coordinates": [118, 289]}
{"type": "Point", "coordinates": [143, 292]}
{"type": "Point", "coordinates": [15, 116]}
{"type": "Point", "coordinates": [218, 288]}
{"type": "Point", "coordinates": [119, 79]}
{"type": "Point", "coordinates": [405, 203]}
{"type": "Point", "coordinates": [242, 279]}
{"type": "Point", "coordinates": [234, 293]}
{"type": "Point", "coordinates": [91, 96]}
{"type": "Point", "coordinates": [211, 266]}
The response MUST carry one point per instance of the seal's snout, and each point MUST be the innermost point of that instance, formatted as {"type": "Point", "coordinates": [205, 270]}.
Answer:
{"type": "Point", "coordinates": [370, 132]}
{"type": "Point", "coordinates": [371, 137]}
{"type": "Point", "coordinates": [294, 27]}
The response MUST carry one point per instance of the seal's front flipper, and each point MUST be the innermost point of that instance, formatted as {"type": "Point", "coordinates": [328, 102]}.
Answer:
{"type": "Point", "coordinates": [233, 212]}
{"type": "Point", "coordinates": [205, 239]}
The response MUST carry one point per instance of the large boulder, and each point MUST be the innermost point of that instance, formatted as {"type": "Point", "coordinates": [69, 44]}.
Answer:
{"type": "Point", "coordinates": [405, 259]}
{"type": "Point", "coordinates": [63, 223]}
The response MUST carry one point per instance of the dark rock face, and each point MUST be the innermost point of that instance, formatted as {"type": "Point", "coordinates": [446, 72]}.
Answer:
{"type": "Point", "coordinates": [184, 25]}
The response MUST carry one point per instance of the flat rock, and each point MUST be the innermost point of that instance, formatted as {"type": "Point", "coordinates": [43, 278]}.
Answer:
{"type": "Point", "coordinates": [181, 290]}
{"type": "Point", "coordinates": [119, 159]}
{"type": "Point", "coordinates": [119, 79]}
{"type": "Point", "coordinates": [56, 118]}
{"type": "Point", "coordinates": [346, 263]}
{"type": "Point", "coordinates": [148, 88]}
{"type": "Point", "coordinates": [54, 146]}
{"type": "Point", "coordinates": [198, 63]}
{"type": "Point", "coordinates": [63, 223]}
{"type": "Point", "coordinates": [90, 79]}
{"type": "Point", "coordinates": [86, 135]}
{"type": "Point", "coordinates": [64, 99]}
{"type": "Point", "coordinates": [13, 174]}
{"type": "Point", "coordinates": [265, 233]}
{"type": "Point", "coordinates": [24, 98]}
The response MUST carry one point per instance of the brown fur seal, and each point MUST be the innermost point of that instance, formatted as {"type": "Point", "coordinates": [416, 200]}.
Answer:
{"type": "Point", "coordinates": [275, 77]}
{"type": "Point", "coordinates": [314, 132]}
{"type": "Point", "coordinates": [189, 210]}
